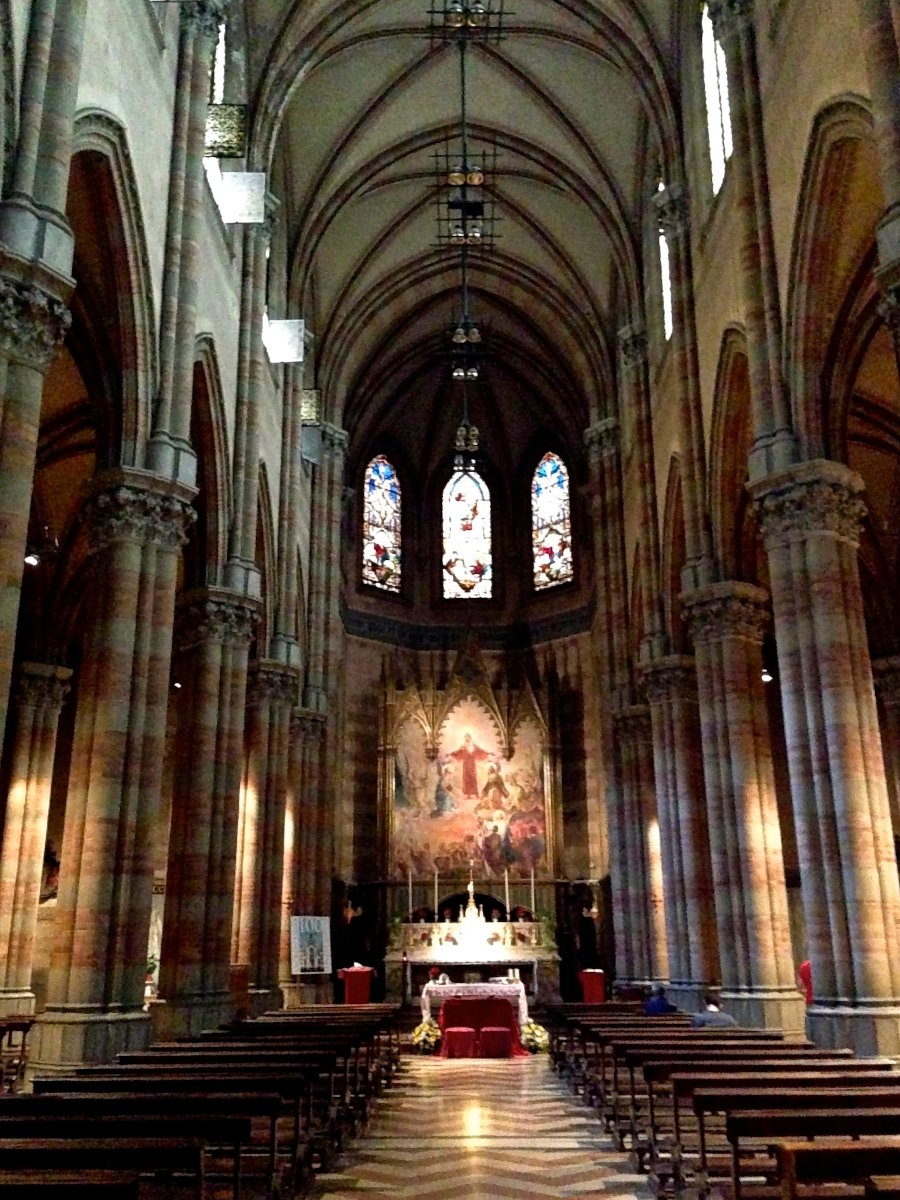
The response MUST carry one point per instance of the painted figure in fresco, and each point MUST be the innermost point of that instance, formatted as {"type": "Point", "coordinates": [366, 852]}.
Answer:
{"type": "Point", "coordinates": [494, 790]}
{"type": "Point", "coordinates": [469, 754]}
{"type": "Point", "coordinates": [492, 851]}
{"type": "Point", "coordinates": [443, 794]}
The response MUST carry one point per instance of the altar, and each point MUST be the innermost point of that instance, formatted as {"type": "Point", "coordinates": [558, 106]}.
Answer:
{"type": "Point", "coordinates": [513, 992]}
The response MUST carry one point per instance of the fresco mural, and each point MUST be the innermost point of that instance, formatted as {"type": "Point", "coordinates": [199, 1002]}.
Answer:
{"type": "Point", "coordinates": [469, 803]}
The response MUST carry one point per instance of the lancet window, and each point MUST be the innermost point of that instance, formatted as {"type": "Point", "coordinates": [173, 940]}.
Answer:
{"type": "Point", "coordinates": [467, 561]}
{"type": "Point", "coordinates": [381, 526]}
{"type": "Point", "coordinates": [718, 112]}
{"type": "Point", "coordinates": [551, 523]}
{"type": "Point", "coordinates": [665, 272]}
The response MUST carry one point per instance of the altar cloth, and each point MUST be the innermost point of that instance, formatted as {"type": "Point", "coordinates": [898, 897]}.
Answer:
{"type": "Point", "coordinates": [477, 1014]}
{"type": "Point", "coordinates": [514, 993]}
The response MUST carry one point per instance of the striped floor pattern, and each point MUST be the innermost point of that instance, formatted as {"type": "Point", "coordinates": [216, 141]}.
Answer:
{"type": "Point", "coordinates": [470, 1129]}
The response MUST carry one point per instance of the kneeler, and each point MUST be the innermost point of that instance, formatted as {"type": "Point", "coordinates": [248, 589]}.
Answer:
{"type": "Point", "coordinates": [458, 1042]}
{"type": "Point", "coordinates": [495, 1041]}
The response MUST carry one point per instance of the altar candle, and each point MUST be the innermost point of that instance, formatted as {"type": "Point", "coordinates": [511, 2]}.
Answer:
{"type": "Point", "coordinates": [409, 888]}
{"type": "Point", "coordinates": [532, 892]}
{"type": "Point", "coordinates": [435, 893]}
{"type": "Point", "coordinates": [506, 890]}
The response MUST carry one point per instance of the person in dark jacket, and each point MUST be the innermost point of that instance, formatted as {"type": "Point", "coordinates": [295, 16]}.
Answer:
{"type": "Point", "coordinates": [659, 1004]}
{"type": "Point", "coordinates": [712, 1015]}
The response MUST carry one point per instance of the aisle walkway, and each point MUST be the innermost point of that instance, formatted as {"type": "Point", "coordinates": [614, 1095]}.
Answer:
{"type": "Point", "coordinates": [470, 1129]}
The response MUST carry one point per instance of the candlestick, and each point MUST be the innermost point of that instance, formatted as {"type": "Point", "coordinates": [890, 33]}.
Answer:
{"type": "Point", "coordinates": [532, 892]}
{"type": "Point", "coordinates": [409, 890]}
{"type": "Point", "coordinates": [435, 894]}
{"type": "Point", "coordinates": [506, 890]}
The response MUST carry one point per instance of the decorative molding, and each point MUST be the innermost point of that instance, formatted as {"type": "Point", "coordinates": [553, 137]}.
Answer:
{"type": "Point", "coordinates": [819, 497]}
{"type": "Point", "coordinates": [307, 724]}
{"type": "Point", "coordinates": [272, 683]}
{"type": "Point", "coordinates": [32, 322]}
{"type": "Point", "coordinates": [670, 678]}
{"type": "Point", "coordinates": [334, 441]}
{"type": "Point", "coordinates": [127, 512]}
{"type": "Point", "coordinates": [673, 208]}
{"type": "Point", "coordinates": [727, 610]}
{"type": "Point", "coordinates": [633, 344]}
{"type": "Point", "coordinates": [229, 620]}
{"type": "Point", "coordinates": [40, 685]}
{"type": "Point", "coordinates": [518, 636]}
{"type": "Point", "coordinates": [602, 438]}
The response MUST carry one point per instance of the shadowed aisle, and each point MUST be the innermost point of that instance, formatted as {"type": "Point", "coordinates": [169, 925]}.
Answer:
{"type": "Point", "coordinates": [471, 1129]}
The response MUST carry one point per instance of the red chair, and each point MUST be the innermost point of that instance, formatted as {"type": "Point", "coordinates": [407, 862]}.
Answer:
{"type": "Point", "coordinates": [459, 1042]}
{"type": "Point", "coordinates": [495, 1041]}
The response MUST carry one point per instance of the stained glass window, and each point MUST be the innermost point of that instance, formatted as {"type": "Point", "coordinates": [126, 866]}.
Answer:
{"type": "Point", "coordinates": [467, 537]}
{"type": "Point", "coordinates": [551, 523]}
{"type": "Point", "coordinates": [381, 526]}
{"type": "Point", "coordinates": [718, 112]}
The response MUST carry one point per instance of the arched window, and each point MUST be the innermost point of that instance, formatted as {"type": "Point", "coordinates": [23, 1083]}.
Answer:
{"type": "Point", "coordinates": [665, 272]}
{"type": "Point", "coordinates": [381, 526]}
{"type": "Point", "coordinates": [718, 112]}
{"type": "Point", "coordinates": [551, 523]}
{"type": "Point", "coordinates": [467, 564]}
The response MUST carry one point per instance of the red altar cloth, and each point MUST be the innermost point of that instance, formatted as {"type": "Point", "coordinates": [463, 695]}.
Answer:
{"type": "Point", "coordinates": [357, 984]}
{"type": "Point", "coordinates": [492, 1010]}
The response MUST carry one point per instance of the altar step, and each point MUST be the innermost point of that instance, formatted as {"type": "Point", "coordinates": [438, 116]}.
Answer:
{"type": "Point", "coordinates": [470, 1129]}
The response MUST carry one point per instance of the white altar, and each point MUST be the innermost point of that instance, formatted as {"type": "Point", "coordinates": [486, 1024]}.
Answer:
{"type": "Point", "coordinates": [514, 992]}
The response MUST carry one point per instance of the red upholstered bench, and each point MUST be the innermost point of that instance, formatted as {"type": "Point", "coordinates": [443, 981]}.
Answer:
{"type": "Point", "coordinates": [495, 1041]}
{"type": "Point", "coordinates": [459, 1042]}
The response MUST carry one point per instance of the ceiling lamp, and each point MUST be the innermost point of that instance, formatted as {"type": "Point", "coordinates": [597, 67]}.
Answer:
{"type": "Point", "coordinates": [476, 17]}
{"type": "Point", "coordinates": [459, 372]}
{"type": "Point", "coordinates": [456, 16]}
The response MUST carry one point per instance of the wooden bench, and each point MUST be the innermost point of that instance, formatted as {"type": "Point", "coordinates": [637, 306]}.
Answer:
{"type": "Point", "coordinates": [883, 1187]}
{"type": "Point", "coordinates": [82, 1185]}
{"type": "Point", "coordinates": [803, 1164]}
{"type": "Point", "coordinates": [165, 1159]}
{"type": "Point", "coordinates": [14, 1031]}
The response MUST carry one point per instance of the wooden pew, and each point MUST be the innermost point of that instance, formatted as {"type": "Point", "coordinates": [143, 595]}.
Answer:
{"type": "Point", "coordinates": [751, 1133]}
{"type": "Point", "coordinates": [883, 1187]}
{"type": "Point", "coordinates": [803, 1164]}
{"type": "Point", "coordinates": [163, 1158]}
{"type": "Point", "coordinates": [83, 1185]}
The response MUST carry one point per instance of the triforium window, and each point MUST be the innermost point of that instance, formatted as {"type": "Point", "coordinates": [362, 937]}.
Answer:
{"type": "Point", "coordinates": [381, 526]}
{"type": "Point", "coordinates": [718, 112]}
{"type": "Point", "coordinates": [665, 273]}
{"type": "Point", "coordinates": [551, 523]}
{"type": "Point", "coordinates": [467, 566]}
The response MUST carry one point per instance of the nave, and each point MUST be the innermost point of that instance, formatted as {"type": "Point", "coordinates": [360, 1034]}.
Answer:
{"type": "Point", "coordinates": [477, 1129]}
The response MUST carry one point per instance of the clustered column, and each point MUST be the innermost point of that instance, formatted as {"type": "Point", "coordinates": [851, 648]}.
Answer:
{"type": "Point", "coordinates": [809, 517]}
{"type": "Point", "coordinates": [671, 687]}
{"type": "Point", "coordinates": [727, 621]}
{"type": "Point", "coordinates": [39, 697]}
{"type": "Point", "coordinates": [887, 686]}
{"type": "Point", "coordinates": [256, 937]}
{"type": "Point", "coordinates": [213, 636]}
{"type": "Point", "coordinates": [96, 986]}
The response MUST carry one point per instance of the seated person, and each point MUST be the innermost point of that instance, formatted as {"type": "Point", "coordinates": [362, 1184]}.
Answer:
{"type": "Point", "coordinates": [659, 1003]}
{"type": "Point", "coordinates": [712, 1015]}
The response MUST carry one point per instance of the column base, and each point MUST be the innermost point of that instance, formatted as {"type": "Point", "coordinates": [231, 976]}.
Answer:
{"type": "Point", "coordinates": [292, 991]}
{"type": "Point", "coordinates": [868, 1028]}
{"type": "Point", "coordinates": [261, 999]}
{"type": "Point", "coordinates": [66, 1038]}
{"type": "Point", "coordinates": [14, 1001]}
{"type": "Point", "coordinates": [767, 1008]}
{"type": "Point", "coordinates": [188, 1016]}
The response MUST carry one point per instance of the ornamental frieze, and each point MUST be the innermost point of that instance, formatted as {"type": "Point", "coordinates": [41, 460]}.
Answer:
{"type": "Point", "coordinates": [33, 323]}
{"type": "Point", "coordinates": [727, 610]}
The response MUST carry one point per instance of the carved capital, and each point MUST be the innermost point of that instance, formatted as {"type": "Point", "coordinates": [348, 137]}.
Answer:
{"type": "Point", "coordinates": [729, 17]}
{"type": "Point", "coordinates": [32, 322]}
{"type": "Point", "coordinates": [727, 610]}
{"type": "Point", "coordinates": [670, 678]}
{"type": "Point", "coordinates": [334, 441]}
{"type": "Point", "coordinates": [602, 438]}
{"type": "Point", "coordinates": [889, 309]}
{"type": "Point", "coordinates": [229, 620]}
{"type": "Point", "coordinates": [203, 17]}
{"type": "Point", "coordinates": [129, 513]}
{"type": "Point", "coordinates": [819, 497]}
{"type": "Point", "coordinates": [307, 724]}
{"type": "Point", "coordinates": [886, 672]}
{"type": "Point", "coordinates": [633, 343]}
{"type": "Point", "coordinates": [673, 209]}
{"type": "Point", "coordinates": [272, 683]}
{"type": "Point", "coordinates": [40, 685]}
{"type": "Point", "coordinates": [633, 725]}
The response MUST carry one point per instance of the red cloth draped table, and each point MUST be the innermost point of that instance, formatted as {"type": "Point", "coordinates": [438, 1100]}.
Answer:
{"type": "Point", "coordinates": [458, 1042]}
{"type": "Point", "coordinates": [476, 1014]}
{"type": "Point", "coordinates": [357, 984]}
{"type": "Point", "coordinates": [593, 985]}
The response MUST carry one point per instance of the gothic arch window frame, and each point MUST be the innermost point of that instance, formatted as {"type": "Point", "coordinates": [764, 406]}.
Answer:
{"type": "Point", "coordinates": [382, 589]}
{"type": "Point", "coordinates": [720, 141]}
{"type": "Point", "coordinates": [537, 589]}
{"type": "Point", "coordinates": [475, 592]}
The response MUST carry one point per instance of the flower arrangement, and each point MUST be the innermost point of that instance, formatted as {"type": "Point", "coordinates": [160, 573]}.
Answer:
{"type": "Point", "coordinates": [534, 1037]}
{"type": "Point", "coordinates": [426, 1037]}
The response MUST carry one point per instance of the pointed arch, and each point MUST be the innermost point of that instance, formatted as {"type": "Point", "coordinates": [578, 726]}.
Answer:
{"type": "Point", "coordinates": [382, 525]}
{"type": "Point", "coordinates": [209, 438]}
{"type": "Point", "coordinates": [674, 553]}
{"type": "Point", "coordinates": [467, 555]}
{"type": "Point", "coordinates": [551, 523]}
{"type": "Point", "coordinates": [734, 541]}
{"type": "Point", "coordinates": [265, 561]}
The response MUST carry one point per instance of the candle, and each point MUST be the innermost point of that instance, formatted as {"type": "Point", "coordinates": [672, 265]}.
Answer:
{"type": "Point", "coordinates": [506, 890]}
{"type": "Point", "coordinates": [435, 893]}
{"type": "Point", "coordinates": [532, 892]}
{"type": "Point", "coordinates": [409, 889]}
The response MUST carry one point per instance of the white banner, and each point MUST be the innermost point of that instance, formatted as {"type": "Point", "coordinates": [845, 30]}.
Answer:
{"type": "Point", "coordinates": [310, 946]}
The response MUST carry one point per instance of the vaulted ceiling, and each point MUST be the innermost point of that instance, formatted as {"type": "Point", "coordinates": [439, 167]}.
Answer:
{"type": "Point", "coordinates": [352, 101]}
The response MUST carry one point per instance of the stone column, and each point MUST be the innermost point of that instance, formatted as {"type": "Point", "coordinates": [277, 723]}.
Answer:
{"type": "Point", "coordinates": [285, 647]}
{"type": "Point", "coordinates": [256, 936]}
{"type": "Point", "coordinates": [214, 629]}
{"type": "Point", "coordinates": [40, 694]}
{"type": "Point", "coordinates": [809, 518]}
{"type": "Point", "coordinates": [671, 686]}
{"type": "Point", "coordinates": [137, 525]}
{"type": "Point", "coordinates": [774, 447]}
{"type": "Point", "coordinates": [170, 452]}
{"type": "Point", "coordinates": [645, 957]}
{"type": "Point", "coordinates": [727, 622]}
{"type": "Point", "coordinates": [887, 686]}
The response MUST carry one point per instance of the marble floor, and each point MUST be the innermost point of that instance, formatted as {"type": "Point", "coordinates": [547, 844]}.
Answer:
{"type": "Point", "coordinates": [481, 1129]}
